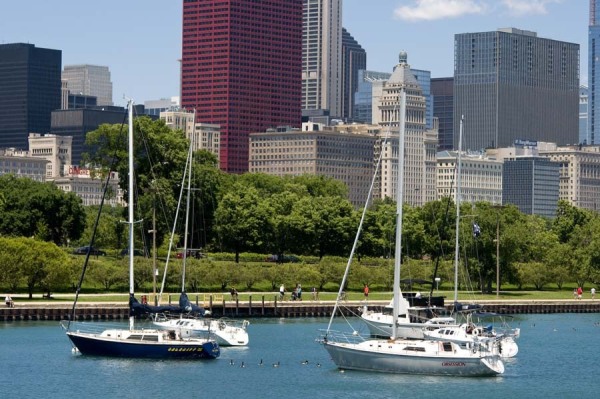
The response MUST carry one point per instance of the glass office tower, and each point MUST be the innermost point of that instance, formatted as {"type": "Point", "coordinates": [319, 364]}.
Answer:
{"type": "Point", "coordinates": [30, 89]}
{"type": "Point", "coordinates": [511, 84]}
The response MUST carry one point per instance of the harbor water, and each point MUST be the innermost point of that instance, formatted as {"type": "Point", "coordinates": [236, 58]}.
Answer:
{"type": "Point", "coordinates": [558, 358]}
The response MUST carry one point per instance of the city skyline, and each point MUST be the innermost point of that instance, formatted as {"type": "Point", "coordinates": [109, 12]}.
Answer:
{"type": "Point", "coordinates": [142, 45]}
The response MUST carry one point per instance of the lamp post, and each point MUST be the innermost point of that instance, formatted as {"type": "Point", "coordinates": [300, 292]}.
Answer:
{"type": "Point", "coordinates": [498, 208]}
{"type": "Point", "coordinates": [498, 255]}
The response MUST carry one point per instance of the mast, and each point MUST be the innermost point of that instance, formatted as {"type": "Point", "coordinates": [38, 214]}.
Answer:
{"type": "Point", "coordinates": [187, 205]}
{"type": "Point", "coordinates": [399, 203]}
{"type": "Point", "coordinates": [130, 206]}
{"type": "Point", "coordinates": [458, 174]}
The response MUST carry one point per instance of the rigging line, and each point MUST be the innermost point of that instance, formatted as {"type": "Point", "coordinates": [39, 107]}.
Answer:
{"type": "Point", "coordinates": [151, 164]}
{"type": "Point", "coordinates": [362, 219]}
{"type": "Point", "coordinates": [185, 172]}
{"type": "Point", "coordinates": [96, 222]}
{"type": "Point", "coordinates": [441, 253]}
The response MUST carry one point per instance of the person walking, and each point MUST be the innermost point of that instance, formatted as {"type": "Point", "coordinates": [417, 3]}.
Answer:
{"type": "Point", "coordinates": [593, 292]}
{"type": "Point", "coordinates": [281, 292]}
{"type": "Point", "coordinates": [579, 292]}
{"type": "Point", "coordinates": [366, 291]}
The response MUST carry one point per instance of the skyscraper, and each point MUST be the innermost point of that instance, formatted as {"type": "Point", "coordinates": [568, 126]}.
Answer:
{"type": "Point", "coordinates": [30, 89]}
{"type": "Point", "coordinates": [511, 84]}
{"type": "Point", "coordinates": [322, 56]}
{"type": "Point", "coordinates": [442, 91]}
{"type": "Point", "coordinates": [594, 74]}
{"type": "Point", "coordinates": [241, 68]}
{"type": "Point", "coordinates": [420, 143]}
{"type": "Point", "coordinates": [354, 58]}
{"type": "Point", "coordinates": [89, 80]}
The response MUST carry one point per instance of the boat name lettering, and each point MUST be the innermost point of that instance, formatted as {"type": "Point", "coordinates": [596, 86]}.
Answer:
{"type": "Point", "coordinates": [184, 349]}
{"type": "Point", "coordinates": [453, 364]}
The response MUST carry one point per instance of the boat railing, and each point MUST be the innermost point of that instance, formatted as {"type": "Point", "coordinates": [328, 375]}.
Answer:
{"type": "Point", "coordinates": [342, 337]}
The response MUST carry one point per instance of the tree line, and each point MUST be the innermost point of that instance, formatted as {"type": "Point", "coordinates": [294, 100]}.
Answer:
{"type": "Point", "coordinates": [303, 215]}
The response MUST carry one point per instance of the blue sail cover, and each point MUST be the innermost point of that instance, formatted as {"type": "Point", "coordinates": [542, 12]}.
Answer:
{"type": "Point", "coordinates": [185, 306]}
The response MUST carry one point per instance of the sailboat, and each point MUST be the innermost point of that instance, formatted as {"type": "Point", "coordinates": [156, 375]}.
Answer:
{"type": "Point", "coordinates": [401, 355]}
{"type": "Point", "coordinates": [226, 332]}
{"type": "Point", "coordinates": [469, 331]}
{"type": "Point", "coordinates": [436, 322]}
{"type": "Point", "coordinates": [133, 342]}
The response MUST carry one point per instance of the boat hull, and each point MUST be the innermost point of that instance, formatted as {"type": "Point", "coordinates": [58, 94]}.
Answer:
{"type": "Point", "coordinates": [97, 345]}
{"type": "Point", "coordinates": [386, 357]}
{"type": "Point", "coordinates": [381, 326]}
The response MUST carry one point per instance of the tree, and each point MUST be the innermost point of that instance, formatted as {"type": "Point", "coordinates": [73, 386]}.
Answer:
{"type": "Point", "coordinates": [42, 210]}
{"type": "Point", "coordinates": [241, 220]}
{"type": "Point", "coordinates": [324, 225]}
{"type": "Point", "coordinates": [41, 263]}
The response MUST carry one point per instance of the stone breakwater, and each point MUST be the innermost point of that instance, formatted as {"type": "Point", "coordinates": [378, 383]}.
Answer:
{"type": "Point", "coordinates": [264, 306]}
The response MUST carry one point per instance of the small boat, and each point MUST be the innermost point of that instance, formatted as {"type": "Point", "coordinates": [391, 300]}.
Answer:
{"type": "Point", "coordinates": [225, 331]}
{"type": "Point", "coordinates": [95, 340]}
{"type": "Point", "coordinates": [397, 354]}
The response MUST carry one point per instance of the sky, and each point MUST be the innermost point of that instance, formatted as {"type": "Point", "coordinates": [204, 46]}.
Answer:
{"type": "Point", "coordinates": [140, 40]}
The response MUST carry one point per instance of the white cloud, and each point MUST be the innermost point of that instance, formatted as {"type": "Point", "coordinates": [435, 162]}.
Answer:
{"type": "Point", "coordinates": [527, 7]}
{"type": "Point", "coordinates": [429, 10]}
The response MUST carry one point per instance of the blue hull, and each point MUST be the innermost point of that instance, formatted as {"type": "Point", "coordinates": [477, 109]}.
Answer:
{"type": "Point", "coordinates": [94, 346]}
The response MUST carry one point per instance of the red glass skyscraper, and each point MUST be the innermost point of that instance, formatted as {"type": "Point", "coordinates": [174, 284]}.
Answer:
{"type": "Point", "coordinates": [241, 68]}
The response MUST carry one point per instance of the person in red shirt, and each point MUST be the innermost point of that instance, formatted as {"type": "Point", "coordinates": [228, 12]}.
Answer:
{"type": "Point", "coordinates": [366, 290]}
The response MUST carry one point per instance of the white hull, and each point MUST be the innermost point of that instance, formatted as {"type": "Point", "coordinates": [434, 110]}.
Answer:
{"type": "Point", "coordinates": [413, 357]}
{"type": "Point", "coordinates": [380, 325]}
{"type": "Point", "coordinates": [225, 332]}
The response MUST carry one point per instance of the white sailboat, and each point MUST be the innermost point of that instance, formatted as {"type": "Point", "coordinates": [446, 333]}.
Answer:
{"type": "Point", "coordinates": [226, 332]}
{"type": "Point", "coordinates": [401, 355]}
{"type": "Point", "coordinates": [417, 322]}
{"type": "Point", "coordinates": [131, 342]}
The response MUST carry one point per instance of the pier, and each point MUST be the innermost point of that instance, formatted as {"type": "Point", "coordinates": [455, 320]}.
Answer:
{"type": "Point", "coordinates": [269, 306]}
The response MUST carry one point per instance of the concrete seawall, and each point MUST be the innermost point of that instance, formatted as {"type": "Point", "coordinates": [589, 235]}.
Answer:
{"type": "Point", "coordinates": [264, 306]}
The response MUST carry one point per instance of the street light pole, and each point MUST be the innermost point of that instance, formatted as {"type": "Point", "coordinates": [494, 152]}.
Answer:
{"type": "Point", "coordinates": [498, 255]}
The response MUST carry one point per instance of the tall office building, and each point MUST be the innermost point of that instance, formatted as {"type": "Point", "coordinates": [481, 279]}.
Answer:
{"type": "Point", "coordinates": [30, 89]}
{"type": "Point", "coordinates": [322, 57]}
{"type": "Point", "coordinates": [241, 68]}
{"type": "Point", "coordinates": [420, 143]}
{"type": "Point", "coordinates": [511, 84]}
{"type": "Point", "coordinates": [354, 59]}
{"type": "Point", "coordinates": [594, 74]}
{"type": "Point", "coordinates": [89, 80]}
{"type": "Point", "coordinates": [532, 184]}
{"type": "Point", "coordinates": [442, 93]}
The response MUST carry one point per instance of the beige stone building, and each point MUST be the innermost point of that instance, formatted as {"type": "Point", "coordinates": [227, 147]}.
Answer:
{"type": "Point", "coordinates": [89, 186]}
{"type": "Point", "coordinates": [55, 149]}
{"type": "Point", "coordinates": [420, 144]}
{"type": "Point", "coordinates": [579, 173]}
{"type": "Point", "coordinates": [20, 164]}
{"type": "Point", "coordinates": [481, 177]}
{"type": "Point", "coordinates": [343, 152]}
{"type": "Point", "coordinates": [206, 136]}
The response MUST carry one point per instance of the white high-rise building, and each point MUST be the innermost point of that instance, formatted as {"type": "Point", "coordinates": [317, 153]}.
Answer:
{"type": "Point", "coordinates": [420, 143]}
{"type": "Point", "coordinates": [89, 80]}
{"type": "Point", "coordinates": [322, 56]}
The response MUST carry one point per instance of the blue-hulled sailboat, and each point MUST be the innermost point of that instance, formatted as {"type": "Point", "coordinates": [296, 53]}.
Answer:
{"type": "Point", "coordinates": [139, 343]}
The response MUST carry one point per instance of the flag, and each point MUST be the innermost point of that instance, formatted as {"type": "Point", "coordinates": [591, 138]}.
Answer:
{"type": "Point", "coordinates": [476, 230]}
